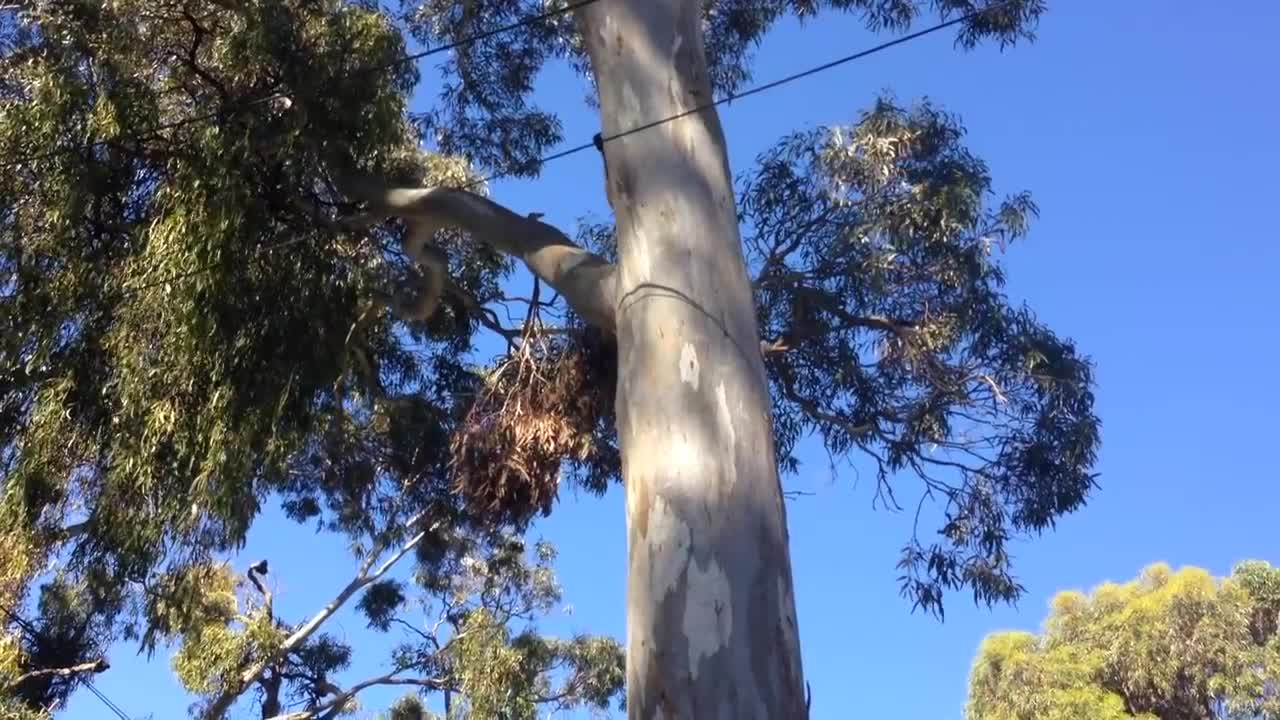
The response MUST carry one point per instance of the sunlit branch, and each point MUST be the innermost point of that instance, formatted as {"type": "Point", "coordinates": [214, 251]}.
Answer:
{"type": "Point", "coordinates": [366, 576]}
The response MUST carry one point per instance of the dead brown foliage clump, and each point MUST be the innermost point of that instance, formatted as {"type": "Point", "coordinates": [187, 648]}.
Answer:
{"type": "Point", "coordinates": [544, 404]}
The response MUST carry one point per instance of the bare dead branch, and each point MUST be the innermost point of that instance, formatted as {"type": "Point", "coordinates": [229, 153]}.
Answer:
{"type": "Point", "coordinates": [95, 666]}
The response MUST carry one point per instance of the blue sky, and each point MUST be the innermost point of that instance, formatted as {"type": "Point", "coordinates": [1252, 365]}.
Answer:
{"type": "Point", "coordinates": [1148, 133]}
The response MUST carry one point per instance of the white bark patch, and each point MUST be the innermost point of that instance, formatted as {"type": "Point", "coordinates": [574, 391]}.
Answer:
{"type": "Point", "coordinates": [668, 539]}
{"type": "Point", "coordinates": [728, 433]}
{"type": "Point", "coordinates": [685, 459]}
{"type": "Point", "coordinates": [708, 612]}
{"type": "Point", "coordinates": [692, 138]}
{"type": "Point", "coordinates": [689, 370]}
{"type": "Point", "coordinates": [643, 265]}
{"type": "Point", "coordinates": [673, 83]}
{"type": "Point", "coordinates": [632, 494]}
{"type": "Point", "coordinates": [631, 107]}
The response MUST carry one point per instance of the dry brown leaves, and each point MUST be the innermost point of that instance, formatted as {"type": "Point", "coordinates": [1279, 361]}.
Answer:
{"type": "Point", "coordinates": [541, 406]}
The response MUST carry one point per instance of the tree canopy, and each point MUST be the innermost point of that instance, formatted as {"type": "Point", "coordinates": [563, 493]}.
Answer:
{"type": "Point", "coordinates": [192, 326]}
{"type": "Point", "coordinates": [1174, 645]}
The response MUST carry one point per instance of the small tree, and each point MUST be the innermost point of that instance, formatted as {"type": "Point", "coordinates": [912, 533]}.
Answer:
{"type": "Point", "coordinates": [1169, 645]}
{"type": "Point", "coordinates": [236, 274]}
{"type": "Point", "coordinates": [462, 640]}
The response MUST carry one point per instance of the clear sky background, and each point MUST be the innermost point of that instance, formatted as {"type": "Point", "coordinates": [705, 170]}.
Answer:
{"type": "Point", "coordinates": [1149, 133]}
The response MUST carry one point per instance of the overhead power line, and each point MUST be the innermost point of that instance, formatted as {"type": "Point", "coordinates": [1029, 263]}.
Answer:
{"type": "Point", "coordinates": [107, 701]}
{"type": "Point", "coordinates": [630, 131]}
{"type": "Point", "coordinates": [811, 71]}
{"type": "Point", "coordinates": [549, 14]}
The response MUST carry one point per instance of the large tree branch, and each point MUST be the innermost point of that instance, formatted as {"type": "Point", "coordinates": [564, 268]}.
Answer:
{"type": "Point", "coordinates": [585, 279]}
{"type": "Point", "coordinates": [95, 666]}
{"type": "Point", "coordinates": [366, 576]}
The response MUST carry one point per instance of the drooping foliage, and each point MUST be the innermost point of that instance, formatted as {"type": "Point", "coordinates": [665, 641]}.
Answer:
{"type": "Point", "coordinates": [184, 334]}
{"type": "Point", "coordinates": [874, 253]}
{"type": "Point", "coordinates": [874, 249]}
{"type": "Point", "coordinates": [1174, 645]}
{"type": "Point", "coordinates": [187, 332]}
{"type": "Point", "coordinates": [149, 400]}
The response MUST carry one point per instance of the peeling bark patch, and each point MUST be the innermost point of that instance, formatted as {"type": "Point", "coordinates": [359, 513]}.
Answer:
{"type": "Point", "coordinates": [639, 521]}
{"type": "Point", "coordinates": [669, 550]}
{"type": "Point", "coordinates": [689, 365]}
{"type": "Point", "coordinates": [708, 612]}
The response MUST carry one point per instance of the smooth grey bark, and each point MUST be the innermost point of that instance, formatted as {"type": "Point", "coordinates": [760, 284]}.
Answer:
{"type": "Point", "coordinates": [711, 622]}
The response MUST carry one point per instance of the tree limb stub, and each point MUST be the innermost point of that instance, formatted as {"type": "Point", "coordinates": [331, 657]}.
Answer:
{"type": "Point", "coordinates": [585, 279]}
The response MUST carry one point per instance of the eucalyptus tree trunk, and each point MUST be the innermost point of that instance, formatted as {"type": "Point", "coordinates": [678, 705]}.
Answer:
{"type": "Point", "coordinates": [711, 621]}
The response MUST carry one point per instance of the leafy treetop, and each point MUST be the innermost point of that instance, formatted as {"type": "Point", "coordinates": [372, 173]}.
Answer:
{"type": "Point", "coordinates": [1175, 645]}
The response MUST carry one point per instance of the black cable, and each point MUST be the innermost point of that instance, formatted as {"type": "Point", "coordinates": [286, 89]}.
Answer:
{"type": "Point", "coordinates": [811, 71]}
{"type": "Point", "coordinates": [20, 621]}
{"type": "Point", "coordinates": [107, 701]}
{"type": "Point", "coordinates": [487, 34]}
{"type": "Point", "coordinates": [358, 71]}
{"type": "Point", "coordinates": [598, 141]}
